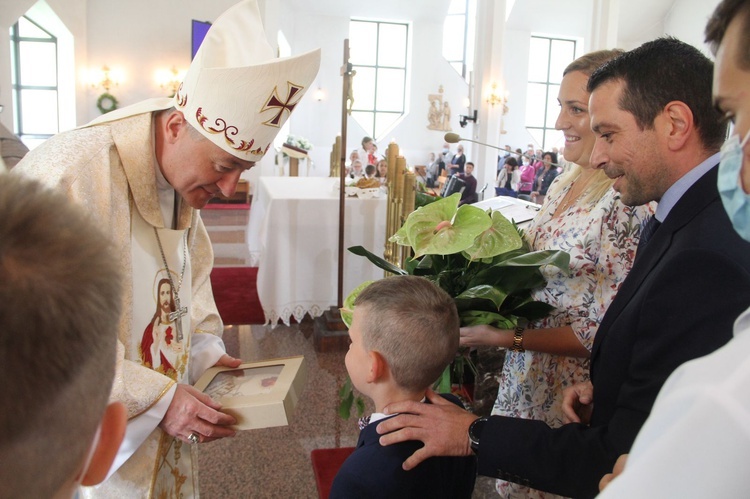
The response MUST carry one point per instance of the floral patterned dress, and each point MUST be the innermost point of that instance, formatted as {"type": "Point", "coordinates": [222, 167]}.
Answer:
{"type": "Point", "coordinates": [601, 238]}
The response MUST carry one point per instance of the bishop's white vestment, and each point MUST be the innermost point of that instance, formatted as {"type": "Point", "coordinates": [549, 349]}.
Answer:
{"type": "Point", "coordinates": [111, 170]}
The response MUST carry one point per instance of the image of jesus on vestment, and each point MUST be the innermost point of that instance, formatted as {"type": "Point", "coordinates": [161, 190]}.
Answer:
{"type": "Point", "coordinates": [160, 348]}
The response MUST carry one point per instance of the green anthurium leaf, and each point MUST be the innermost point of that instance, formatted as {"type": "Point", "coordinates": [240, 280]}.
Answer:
{"type": "Point", "coordinates": [509, 279]}
{"type": "Point", "coordinates": [401, 237]}
{"type": "Point", "coordinates": [482, 292]}
{"type": "Point", "coordinates": [423, 199]}
{"type": "Point", "coordinates": [421, 224]}
{"type": "Point", "coordinates": [359, 403]}
{"type": "Point", "coordinates": [345, 406]}
{"type": "Point", "coordinates": [347, 311]}
{"type": "Point", "coordinates": [509, 254]}
{"type": "Point", "coordinates": [346, 387]}
{"type": "Point", "coordinates": [379, 262]}
{"type": "Point", "coordinates": [443, 383]}
{"type": "Point", "coordinates": [499, 238]}
{"type": "Point", "coordinates": [533, 310]}
{"type": "Point", "coordinates": [468, 223]}
{"type": "Point", "coordinates": [483, 317]}
{"type": "Point", "coordinates": [411, 266]}
{"type": "Point", "coordinates": [559, 259]}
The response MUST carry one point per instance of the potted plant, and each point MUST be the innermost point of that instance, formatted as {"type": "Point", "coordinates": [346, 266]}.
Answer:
{"type": "Point", "coordinates": [479, 258]}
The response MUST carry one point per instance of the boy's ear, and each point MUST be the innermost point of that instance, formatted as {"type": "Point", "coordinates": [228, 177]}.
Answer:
{"type": "Point", "coordinates": [113, 425]}
{"type": "Point", "coordinates": [378, 366]}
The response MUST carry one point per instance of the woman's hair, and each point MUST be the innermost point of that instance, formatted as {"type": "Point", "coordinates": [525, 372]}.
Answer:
{"type": "Point", "coordinates": [377, 172]}
{"type": "Point", "coordinates": [588, 63]}
{"type": "Point", "coordinates": [599, 183]}
{"type": "Point", "coordinates": [552, 155]}
{"type": "Point", "coordinates": [511, 161]}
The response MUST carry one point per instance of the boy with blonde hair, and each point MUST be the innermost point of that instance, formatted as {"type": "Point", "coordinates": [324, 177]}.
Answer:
{"type": "Point", "coordinates": [60, 300]}
{"type": "Point", "coordinates": [404, 332]}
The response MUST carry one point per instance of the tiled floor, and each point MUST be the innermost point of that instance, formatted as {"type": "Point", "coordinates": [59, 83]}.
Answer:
{"type": "Point", "coordinates": [275, 462]}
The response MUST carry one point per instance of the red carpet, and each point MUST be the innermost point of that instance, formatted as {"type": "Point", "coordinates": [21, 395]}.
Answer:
{"type": "Point", "coordinates": [236, 295]}
{"type": "Point", "coordinates": [326, 463]}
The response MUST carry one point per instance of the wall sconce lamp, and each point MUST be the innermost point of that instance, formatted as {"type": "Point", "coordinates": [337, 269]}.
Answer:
{"type": "Point", "coordinates": [106, 79]}
{"type": "Point", "coordinates": [319, 94]}
{"type": "Point", "coordinates": [500, 98]}
{"type": "Point", "coordinates": [170, 79]}
{"type": "Point", "coordinates": [463, 119]}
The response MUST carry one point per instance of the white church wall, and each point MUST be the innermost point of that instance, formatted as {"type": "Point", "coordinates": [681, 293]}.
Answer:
{"type": "Point", "coordinates": [687, 21]}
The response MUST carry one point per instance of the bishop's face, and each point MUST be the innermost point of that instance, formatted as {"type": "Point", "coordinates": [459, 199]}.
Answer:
{"type": "Point", "coordinates": [194, 166]}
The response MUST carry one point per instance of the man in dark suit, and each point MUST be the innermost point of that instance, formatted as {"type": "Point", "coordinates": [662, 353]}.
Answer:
{"type": "Point", "coordinates": [658, 136]}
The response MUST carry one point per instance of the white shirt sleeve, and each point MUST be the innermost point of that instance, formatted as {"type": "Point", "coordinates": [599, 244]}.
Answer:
{"type": "Point", "coordinates": [205, 351]}
{"type": "Point", "coordinates": [696, 442]}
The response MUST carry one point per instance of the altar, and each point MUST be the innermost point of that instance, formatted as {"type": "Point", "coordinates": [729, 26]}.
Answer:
{"type": "Point", "coordinates": [293, 240]}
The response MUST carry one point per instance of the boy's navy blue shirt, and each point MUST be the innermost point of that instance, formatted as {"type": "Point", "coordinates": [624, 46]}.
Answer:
{"type": "Point", "coordinates": [374, 471]}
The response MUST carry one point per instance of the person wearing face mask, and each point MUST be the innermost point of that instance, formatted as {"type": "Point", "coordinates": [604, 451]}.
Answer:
{"type": "Point", "coordinates": [446, 155]}
{"type": "Point", "coordinates": [60, 297]}
{"type": "Point", "coordinates": [696, 442]}
{"type": "Point", "coordinates": [688, 283]}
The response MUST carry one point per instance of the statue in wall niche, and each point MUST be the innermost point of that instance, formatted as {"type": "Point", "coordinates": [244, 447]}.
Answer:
{"type": "Point", "coordinates": [439, 112]}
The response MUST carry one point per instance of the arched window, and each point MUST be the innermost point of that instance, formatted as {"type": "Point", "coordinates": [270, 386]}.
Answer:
{"type": "Point", "coordinates": [458, 36]}
{"type": "Point", "coordinates": [35, 81]}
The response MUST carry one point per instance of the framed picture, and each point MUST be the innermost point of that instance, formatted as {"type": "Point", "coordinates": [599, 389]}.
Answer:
{"type": "Point", "coordinates": [258, 394]}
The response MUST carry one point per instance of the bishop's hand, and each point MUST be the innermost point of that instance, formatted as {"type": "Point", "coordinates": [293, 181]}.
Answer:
{"type": "Point", "coordinates": [192, 411]}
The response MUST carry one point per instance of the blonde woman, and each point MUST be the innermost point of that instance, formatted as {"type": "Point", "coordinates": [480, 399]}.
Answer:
{"type": "Point", "coordinates": [582, 215]}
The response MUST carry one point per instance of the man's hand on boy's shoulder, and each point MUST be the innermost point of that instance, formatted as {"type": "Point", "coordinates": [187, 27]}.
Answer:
{"type": "Point", "coordinates": [442, 426]}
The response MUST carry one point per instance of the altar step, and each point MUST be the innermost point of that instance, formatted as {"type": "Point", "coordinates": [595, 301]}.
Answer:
{"type": "Point", "coordinates": [227, 228]}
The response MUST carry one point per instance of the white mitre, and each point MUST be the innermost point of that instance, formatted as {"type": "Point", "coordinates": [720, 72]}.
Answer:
{"type": "Point", "coordinates": [236, 93]}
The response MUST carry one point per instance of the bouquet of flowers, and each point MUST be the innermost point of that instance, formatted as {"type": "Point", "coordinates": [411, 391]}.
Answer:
{"type": "Point", "coordinates": [479, 258]}
{"type": "Point", "coordinates": [298, 142]}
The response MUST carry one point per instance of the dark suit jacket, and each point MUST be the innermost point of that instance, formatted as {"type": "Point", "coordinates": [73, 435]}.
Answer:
{"type": "Point", "coordinates": [679, 302]}
{"type": "Point", "coordinates": [374, 471]}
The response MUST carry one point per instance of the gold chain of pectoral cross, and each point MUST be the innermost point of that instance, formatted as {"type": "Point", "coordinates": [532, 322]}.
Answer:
{"type": "Point", "coordinates": [175, 316]}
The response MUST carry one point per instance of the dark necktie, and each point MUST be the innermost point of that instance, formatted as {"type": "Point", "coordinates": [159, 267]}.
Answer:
{"type": "Point", "coordinates": [648, 231]}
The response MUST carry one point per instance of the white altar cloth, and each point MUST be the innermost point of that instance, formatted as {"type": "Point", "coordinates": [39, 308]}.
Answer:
{"type": "Point", "coordinates": [293, 240]}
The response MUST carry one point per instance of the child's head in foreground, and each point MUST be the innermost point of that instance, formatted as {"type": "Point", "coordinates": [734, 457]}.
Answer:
{"type": "Point", "coordinates": [404, 332]}
{"type": "Point", "coordinates": [60, 301]}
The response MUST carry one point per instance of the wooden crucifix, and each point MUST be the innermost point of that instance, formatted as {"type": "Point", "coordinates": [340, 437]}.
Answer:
{"type": "Point", "coordinates": [329, 332]}
{"type": "Point", "coordinates": [346, 109]}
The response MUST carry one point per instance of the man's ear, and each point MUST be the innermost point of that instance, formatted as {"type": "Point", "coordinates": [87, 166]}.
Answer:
{"type": "Point", "coordinates": [112, 431]}
{"type": "Point", "coordinates": [378, 366]}
{"type": "Point", "coordinates": [679, 124]}
{"type": "Point", "coordinates": [173, 124]}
